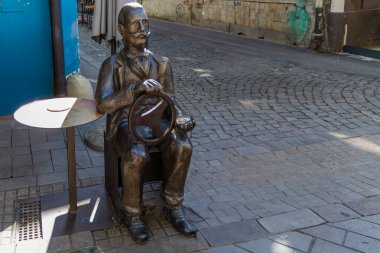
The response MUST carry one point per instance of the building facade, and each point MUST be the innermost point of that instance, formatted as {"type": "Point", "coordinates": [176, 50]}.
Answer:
{"type": "Point", "coordinates": [327, 24]}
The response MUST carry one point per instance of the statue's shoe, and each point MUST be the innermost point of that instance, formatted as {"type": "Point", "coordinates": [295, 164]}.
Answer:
{"type": "Point", "coordinates": [136, 226]}
{"type": "Point", "coordinates": [178, 220]}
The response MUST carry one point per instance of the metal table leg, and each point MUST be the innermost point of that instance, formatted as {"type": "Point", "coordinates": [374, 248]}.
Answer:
{"type": "Point", "coordinates": [72, 170]}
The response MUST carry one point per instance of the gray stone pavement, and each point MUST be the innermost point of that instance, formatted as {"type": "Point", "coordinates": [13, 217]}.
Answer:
{"type": "Point", "coordinates": [285, 157]}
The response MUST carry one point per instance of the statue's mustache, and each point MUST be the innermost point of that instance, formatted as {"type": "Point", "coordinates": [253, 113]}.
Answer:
{"type": "Point", "coordinates": [144, 33]}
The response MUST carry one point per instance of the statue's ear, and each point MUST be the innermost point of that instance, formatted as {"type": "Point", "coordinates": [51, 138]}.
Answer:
{"type": "Point", "coordinates": [120, 29]}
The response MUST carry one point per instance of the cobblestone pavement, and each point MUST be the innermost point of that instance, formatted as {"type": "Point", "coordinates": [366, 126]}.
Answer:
{"type": "Point", "coordinates": [285, 155]}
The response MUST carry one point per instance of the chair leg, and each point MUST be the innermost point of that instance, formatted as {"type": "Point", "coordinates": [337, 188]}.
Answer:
{"type": "Point", "coordinates": [111, 173]}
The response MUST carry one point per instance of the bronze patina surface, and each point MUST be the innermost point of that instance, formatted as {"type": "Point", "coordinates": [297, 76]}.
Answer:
{"type": "Point", "coordinates": [123, 78]}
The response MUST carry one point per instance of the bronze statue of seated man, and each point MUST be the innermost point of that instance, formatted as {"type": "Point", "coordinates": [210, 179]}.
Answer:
{"type": "Point", "coordinates": [124, 77]}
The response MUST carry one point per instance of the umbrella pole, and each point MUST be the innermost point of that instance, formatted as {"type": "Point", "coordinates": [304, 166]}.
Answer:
{"type": "Point", "coordinates": [58, 55]}
{"type": "Point", "coordinates": [113, 46]}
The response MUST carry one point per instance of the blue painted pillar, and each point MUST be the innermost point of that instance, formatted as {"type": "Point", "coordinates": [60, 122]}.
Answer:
{"type": "Point", "coordinates": [26, 62]}
{"type": "Point", "coordinates": [26, 50]}
{"type": "Point", "coordinates": [70, 35]}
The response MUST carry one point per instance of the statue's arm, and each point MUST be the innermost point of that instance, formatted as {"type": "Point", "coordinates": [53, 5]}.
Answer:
{"type": "Point", "coordinates": [108, 99]}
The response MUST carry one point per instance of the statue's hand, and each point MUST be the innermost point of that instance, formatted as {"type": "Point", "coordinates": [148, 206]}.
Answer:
{"type": "Point", "coordinates": [149, 86]}
{"type": "Point", "coordinates": [184, 123]}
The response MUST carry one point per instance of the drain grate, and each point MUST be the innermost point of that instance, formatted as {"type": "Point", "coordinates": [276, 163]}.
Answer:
{"type": "Point", "coordinates": [29, 220]}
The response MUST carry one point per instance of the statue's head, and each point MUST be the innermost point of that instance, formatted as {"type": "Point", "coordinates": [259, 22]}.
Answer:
{"type": "Point", "coordinates": [133, 25]}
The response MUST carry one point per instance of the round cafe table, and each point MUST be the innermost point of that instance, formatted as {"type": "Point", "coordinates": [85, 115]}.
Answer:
{"type": "Point", "coordinates": [67, 112]}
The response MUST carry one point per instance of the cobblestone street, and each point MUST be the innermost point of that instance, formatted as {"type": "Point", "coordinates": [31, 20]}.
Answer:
{"type": "Point", "coordinates": [286, 153]}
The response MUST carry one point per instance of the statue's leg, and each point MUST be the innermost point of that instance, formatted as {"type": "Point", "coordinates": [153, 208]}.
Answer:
{"type": "Point", "coordinates": [176, 156]}
{"type": "Point", "coordinates": [132, 166]}
{"type": "Point", "coordinates": [176, 160]}
{"type": "Point", "coordinates": [134, 157]}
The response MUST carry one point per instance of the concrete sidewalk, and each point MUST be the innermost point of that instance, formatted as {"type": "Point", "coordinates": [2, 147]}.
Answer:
{"type": "Point", "coordinates": [286, 153]}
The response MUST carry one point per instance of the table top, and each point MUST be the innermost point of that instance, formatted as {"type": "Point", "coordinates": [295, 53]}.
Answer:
{"type": "Point", "coordinates": [57, 112]}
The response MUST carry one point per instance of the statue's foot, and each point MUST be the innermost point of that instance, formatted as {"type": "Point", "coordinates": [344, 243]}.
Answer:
{"type": "Point", "coordinates": [136, 226]}
{"type": "Point", "coordinates": [178, 220]}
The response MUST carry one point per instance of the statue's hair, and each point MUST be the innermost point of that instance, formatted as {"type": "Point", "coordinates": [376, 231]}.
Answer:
{"type": "Point", "coordinates": [126, 9]}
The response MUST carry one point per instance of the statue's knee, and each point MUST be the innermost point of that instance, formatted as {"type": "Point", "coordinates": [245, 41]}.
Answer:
{"type": "Point", "coordinates": [185, 148]}
{"type": "Point", "coordinates": [138, 156]}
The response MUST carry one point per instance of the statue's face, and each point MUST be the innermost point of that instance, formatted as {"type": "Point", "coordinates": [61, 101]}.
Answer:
{"type": "Point", "coordinates": [135, 31]}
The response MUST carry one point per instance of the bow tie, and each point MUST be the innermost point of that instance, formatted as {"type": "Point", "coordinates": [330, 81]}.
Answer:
{"type": "Point", "coordinates": [140, 56]}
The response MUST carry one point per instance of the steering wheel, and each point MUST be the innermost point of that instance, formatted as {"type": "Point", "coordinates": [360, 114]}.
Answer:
{"type": "Point", "coordinates": [145, 115]}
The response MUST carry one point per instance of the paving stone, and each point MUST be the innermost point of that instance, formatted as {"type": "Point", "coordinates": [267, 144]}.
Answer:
{"type": "Point", "coordinates": [265, 246]}
{"type": "Point", "coordinates": [116, 242]}
{"type": "Point", "coordinates": [362, 243]}
{"type": "Point", "coordinates": [98, 161]}
{"type": "Point", "coordinates": [158, 233]}
{"type": "Point", "coordinates": [5, 162]}
{"type": "Point", "coordinates": [211, 155]}
{"type": "Point", "coordinates": [21, 160]}
{"type": "Point", "coordinates": [373, 218]}
{"type": "Point", "coordinates": [150, 246]}
{"type": "Point", "coordinates": [54, 135]}
{"type": "Point", "coordinates": [170, 231]}
{"type": "Point", "coordinates": [47, 146]}
{"type": "Point", "coordinates": [22, 171]}
{"type": "Point", "coordinates": [22, 192]}
{"type": "Point", "coordinates": [276, 206]}
{"type": "Point", "coordinates": [59, 244]}
{"type": "Point", "coordinates": [14, 151]}
{"type": "Point", "coordinates": [82, 159]}
{"type": "Point", "coordinates": [96, 171]}
{"type": "Point", "coordinates": [42, 162]}
{"type": "Point", "coordinates": [81, 240]}
{"type": "Point", "coordinates": [183, 244]}
{"type": "Point", "coordinates": [18, 182]}
{"type": "Point", "coordinates": [5, 172]}
{"type": "Point", "coordinates": [326, 232]}
{"type": "Point", "coordinates": [249, 150]}
{"type": "Point", "coordinates": [290, 221]}
{"type": "Point", "coordinates": [321, 246]}
{"type": "Point", "coordinates": [335, 212]}
{"type": "Point", "coordinates": [367, 206]}
{"type": "Point", "coordinates": [98, 235]}
{"type": "Point", "coordinates": [233, 233]}
{"type": "Point", "coordinates": [102, 245]}
{"type": "Point", "coordinates": [294, 240]}
{"type": "Point", "coordinates": [59, 187]}
{"type": "Point", "coordinates": [5, 143]}
{"type": "Point", "coordinates": [229, 219]}
{"type": "Point", "coordinates": [59, 159]}
{"type": "Point", "coordinates": [113, 232]}
{"type": "Point", "coordinates": [52, 178]}
{"type": "Point", "coordinates": [171, 244]}
{"type": "Point", "coordinates": [225, 249]}
{"type": "Point", "coordinates": [361, 227]}
{"type": "Point", "coordinates": [20, 133]}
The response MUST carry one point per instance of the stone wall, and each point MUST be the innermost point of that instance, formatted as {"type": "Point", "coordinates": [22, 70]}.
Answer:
{"type": "Point", "coordinates": [288, 21]}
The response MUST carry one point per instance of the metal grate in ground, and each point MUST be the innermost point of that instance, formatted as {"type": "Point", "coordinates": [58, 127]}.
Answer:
{"type": "Point", "coordinates": [29, 220]}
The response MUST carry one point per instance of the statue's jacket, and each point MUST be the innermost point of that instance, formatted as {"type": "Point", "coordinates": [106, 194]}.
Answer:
{"type": "Point", "coordinates": [118, 75]}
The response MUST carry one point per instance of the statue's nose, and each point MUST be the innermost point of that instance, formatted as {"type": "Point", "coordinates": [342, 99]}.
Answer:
{"type": "Point", "coordinates": [142, 27]}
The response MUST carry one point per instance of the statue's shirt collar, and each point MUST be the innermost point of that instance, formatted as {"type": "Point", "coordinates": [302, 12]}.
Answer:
{"type": "Point", "coordinates": [133, 56]}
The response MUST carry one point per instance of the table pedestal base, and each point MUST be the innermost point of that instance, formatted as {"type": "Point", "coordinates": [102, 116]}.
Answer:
{"type": "Point", "coordinates": [93, 213]}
